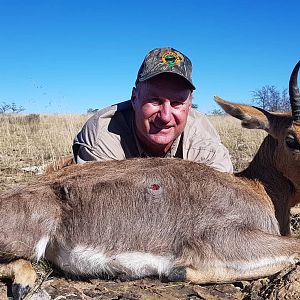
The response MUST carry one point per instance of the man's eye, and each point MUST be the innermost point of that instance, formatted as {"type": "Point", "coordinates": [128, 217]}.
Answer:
{"type": "Point", "coordinates": [155, 101]}
{"type": "Point", "coordinates": [177, 103]}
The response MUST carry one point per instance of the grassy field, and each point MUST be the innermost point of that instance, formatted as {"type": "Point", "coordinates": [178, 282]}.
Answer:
{"type": "Point", "coordinates": [30, 140]}
{"type": "Point", "coordinates": [242, 143]}
{"type": "Point", "coordinates": [34, 140]}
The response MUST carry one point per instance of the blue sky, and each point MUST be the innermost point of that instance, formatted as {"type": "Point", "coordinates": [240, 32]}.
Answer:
{"type": "Point", "coordinates": [68, 56]}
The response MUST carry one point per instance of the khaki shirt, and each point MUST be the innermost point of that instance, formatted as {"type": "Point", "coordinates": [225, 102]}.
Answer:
{"type": "Point", "coordinates": [110, 135]}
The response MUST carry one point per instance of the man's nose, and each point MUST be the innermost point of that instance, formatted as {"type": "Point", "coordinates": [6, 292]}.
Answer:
{"type": "Point", "coordinates": [166, 112]}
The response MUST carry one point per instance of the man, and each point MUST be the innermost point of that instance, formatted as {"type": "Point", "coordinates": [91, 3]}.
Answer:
{"type": "Point", "coordinates": [158, 120]}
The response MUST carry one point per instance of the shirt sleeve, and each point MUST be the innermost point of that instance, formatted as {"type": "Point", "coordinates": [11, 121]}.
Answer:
{"type": "Point", "coordinates": [96, 142]}
{"type": "Point", "coordinates": [221, 160]}
{"type": "Point", "coordinates": [83, 153]}
{"type": "Point", "coordinates": [202, 144]}
{"type": "Point", "coordinates": [211, 153]}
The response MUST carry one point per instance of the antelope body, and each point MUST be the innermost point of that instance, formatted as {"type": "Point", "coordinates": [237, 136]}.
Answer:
{"type": "Point", "coordinates": [175, 219]}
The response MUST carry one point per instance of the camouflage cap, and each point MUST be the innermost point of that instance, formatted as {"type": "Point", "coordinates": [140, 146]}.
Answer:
{"type": "Point", "coordinates": [165, 60]}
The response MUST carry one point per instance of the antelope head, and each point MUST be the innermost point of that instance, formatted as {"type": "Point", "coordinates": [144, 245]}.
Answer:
{"type": "Point", "coordinates": [281, 149]}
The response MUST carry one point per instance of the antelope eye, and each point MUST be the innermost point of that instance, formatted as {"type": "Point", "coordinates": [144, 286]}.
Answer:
{"type": "Point", "coordinates": [292, 142]}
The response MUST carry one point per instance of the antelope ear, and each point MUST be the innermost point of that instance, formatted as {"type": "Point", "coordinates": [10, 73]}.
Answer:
{"type": "Point", "coordinates": [251, 117]}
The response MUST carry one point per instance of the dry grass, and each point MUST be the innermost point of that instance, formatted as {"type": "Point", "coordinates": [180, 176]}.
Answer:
{"type": "Point", "coordinates": [29, 140]}
{"type": "Point", "coordinates": [242, 143]}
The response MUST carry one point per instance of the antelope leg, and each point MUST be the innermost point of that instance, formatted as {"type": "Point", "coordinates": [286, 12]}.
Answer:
{"type": "Point", "coordinates": [22, 274]}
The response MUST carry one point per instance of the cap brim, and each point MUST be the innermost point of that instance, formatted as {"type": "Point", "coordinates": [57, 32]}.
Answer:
{"type": "Point", "coordinates": [172, 72]}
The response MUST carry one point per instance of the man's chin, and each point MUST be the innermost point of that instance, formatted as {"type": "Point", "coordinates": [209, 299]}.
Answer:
{"type": "Point", "coordinates": [160, 140]}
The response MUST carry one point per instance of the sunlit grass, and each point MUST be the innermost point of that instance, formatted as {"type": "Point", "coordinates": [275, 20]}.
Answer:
{"type": "Point", "coordinates": [30, 140]}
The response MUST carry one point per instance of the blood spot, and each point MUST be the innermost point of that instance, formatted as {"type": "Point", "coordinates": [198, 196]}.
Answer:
{"type": "Point", "coordinates": [155, 187]}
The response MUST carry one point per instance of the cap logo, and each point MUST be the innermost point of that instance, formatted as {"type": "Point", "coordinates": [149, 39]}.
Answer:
{"type": "Point", "coordinates": [171, 58]}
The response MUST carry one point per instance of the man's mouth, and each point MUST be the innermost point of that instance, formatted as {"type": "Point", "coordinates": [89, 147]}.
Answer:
{"type": "Point", "coordinates": [161, 127]}
{"type": "Point", "coordinates": [157, 128]}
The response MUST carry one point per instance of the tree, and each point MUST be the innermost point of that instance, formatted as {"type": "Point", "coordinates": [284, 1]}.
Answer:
{"type": "Point", "coordinates": [270, 98]}
{"type": "Point", "coordinates": [12, 107]}
{"type": "Point", "coordinates": [285, 100]}
{"type": "Point", "coordinates": [15, 109]}
{"type": "Point", "coordinates": [92, 110]}
{"type": "Point", "coordinates": [4, 107]}
{"type": "Point", "coordinates": [217, 112]}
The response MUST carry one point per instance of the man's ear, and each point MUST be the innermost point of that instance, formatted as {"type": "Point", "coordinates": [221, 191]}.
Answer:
{"type": "Point", "coordinates": [133, 96]}
{"type": "Point", "coordinates": [191, 100]}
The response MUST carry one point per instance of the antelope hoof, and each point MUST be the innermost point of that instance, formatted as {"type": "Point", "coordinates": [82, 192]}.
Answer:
{"type": "Point", "coordinates": [24, 278]}
{"type": "Point", "coordinates": [19, 291]}
{"type": "Point", "coordinates": [177, 274]}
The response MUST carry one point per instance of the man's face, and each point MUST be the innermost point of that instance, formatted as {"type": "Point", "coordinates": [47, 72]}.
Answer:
{"type": "Point", "coordinates": [161, 107]}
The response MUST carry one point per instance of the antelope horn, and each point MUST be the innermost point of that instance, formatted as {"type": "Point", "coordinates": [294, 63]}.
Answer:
{"type": "Point", "coordinates": [294, 94]}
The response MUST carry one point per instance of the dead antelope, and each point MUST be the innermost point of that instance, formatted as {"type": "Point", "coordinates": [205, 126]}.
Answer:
{"type": "Point", "coordinates": [172, 218]}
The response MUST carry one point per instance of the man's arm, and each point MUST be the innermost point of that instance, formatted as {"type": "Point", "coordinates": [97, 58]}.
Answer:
{"type": "Point", "coordinates": [211, 153]}
{"type": "Point", "coordinates": [202, 143]}
{"type": "Point", "coordinates": [83, 153]}
{"type": "Point", "coordinates": [95, 141]}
